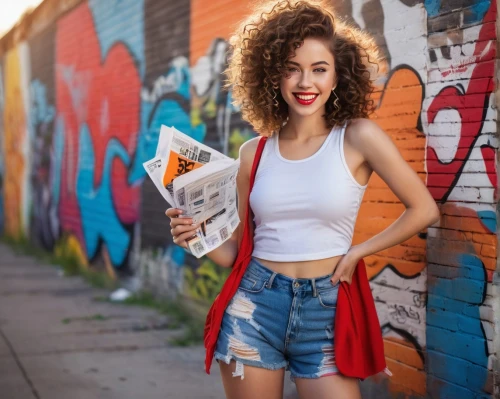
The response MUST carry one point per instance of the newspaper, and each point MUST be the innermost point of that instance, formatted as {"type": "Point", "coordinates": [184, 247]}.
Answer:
{"type": "Point", "coordinates": [177, 154]}
{"type": "Point", "coordinates": [199, 180]}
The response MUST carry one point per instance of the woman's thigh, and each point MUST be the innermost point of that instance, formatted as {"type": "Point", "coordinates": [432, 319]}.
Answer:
{"type": "Point", "coordinates": [254, 324]}
{"type": "Point", "coordinates": [328, 387]}
{"type": "Point", "coordinates": [259, 383]}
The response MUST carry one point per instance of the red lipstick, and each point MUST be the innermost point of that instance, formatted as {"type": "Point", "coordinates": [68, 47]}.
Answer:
{"type": "Point", "coordinates": [303, 101]}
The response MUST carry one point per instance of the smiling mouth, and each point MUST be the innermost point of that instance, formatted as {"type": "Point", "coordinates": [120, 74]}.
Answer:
{"type": "Point", "coordinates": [305, 98]}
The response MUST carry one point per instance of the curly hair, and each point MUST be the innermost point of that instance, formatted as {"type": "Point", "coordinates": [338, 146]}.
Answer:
{"type": "Point", "coordinates": [267, 39]}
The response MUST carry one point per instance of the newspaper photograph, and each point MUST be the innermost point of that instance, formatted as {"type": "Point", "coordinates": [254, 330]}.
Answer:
{"type": "Point", "coordinates": [177, 154]}
{"type": "Point", "coordinates": [199, 180]}
{"type": "Point", "coordinates": [184, 155]}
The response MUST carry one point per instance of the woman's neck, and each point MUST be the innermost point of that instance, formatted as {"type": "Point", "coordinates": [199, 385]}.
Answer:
{"type": "Point", "coordinates": [304, 127]}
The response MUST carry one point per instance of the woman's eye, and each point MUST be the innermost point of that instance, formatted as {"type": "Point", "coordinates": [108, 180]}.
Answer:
{"type": "Point", "coordinates": [292, 69]}
{"type": "Point", "coordinates": [320, 70]}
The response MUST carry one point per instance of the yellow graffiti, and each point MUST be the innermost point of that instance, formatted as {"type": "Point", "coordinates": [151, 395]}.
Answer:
{"type": "Point", "coordinates": [14, 138]}
{"type": "Point", "coordinates": [110, 270]}
{"type": "Point", "coordinates": [236, 139]}
{"type": "Point", "coordinates": [69, 248]}
{"type": "Point", "coordinates": [206, 282]}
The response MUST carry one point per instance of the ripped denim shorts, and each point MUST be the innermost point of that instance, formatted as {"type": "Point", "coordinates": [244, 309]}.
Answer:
{"type": "Point", "coordinates": [275, 321]}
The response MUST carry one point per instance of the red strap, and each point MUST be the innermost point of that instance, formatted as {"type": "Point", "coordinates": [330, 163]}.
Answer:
{"type": "Point", "coordinates": [256, 161]}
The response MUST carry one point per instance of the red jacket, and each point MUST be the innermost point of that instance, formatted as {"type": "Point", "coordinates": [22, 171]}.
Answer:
{"type": "Point", "coordinates": [359, 350]}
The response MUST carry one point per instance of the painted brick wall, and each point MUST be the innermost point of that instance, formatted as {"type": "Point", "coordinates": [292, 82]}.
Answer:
{"type": "Point", "coordinates": [461, 252]}
{"type": "Point", "coordinates": [85, 86]}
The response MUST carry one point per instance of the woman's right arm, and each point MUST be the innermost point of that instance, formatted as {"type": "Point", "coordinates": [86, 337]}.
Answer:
{"type": "Point", "coordinates": [182, 228]}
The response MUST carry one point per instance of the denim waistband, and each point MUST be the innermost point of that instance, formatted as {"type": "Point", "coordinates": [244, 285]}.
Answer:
{"type": "Point", "coordinates": [274, 279]}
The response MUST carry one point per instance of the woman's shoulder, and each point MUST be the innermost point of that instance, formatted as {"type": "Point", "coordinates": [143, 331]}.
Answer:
{"type": "Point", "coordinates": [248, 150]}
{"type": "Point", "coordinates": [363, 134]}
{"type": "Point", "coordinates": [361, 126]}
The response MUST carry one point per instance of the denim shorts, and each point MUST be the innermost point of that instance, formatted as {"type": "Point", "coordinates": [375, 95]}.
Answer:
{"type": "Point", "coordinates": [275, 321]}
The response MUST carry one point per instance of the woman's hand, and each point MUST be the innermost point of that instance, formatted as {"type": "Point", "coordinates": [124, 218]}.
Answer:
{"type": "Point", "coordinates": [182, 227]}
{"type": "Point", "coordinates": [345, 267]}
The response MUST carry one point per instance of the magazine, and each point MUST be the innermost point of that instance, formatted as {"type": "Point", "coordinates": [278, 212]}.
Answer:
{"type": "Point", "coordinates": [199, 180]}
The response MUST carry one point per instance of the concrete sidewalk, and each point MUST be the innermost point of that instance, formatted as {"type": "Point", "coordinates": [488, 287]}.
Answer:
{"type": "Point", "coordinates": [58, 342]}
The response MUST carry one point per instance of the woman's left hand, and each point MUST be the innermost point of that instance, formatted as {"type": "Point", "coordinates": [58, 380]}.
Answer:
{"type": "Point", "coordinates": [345, 268]}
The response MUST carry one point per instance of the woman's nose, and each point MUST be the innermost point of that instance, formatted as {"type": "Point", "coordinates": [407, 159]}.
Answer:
{"type": "Point", "coordinates": [305, 81]}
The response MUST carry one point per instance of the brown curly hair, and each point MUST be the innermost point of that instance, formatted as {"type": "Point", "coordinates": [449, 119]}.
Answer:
{"type": "Point", "coordinates": [267, 39]}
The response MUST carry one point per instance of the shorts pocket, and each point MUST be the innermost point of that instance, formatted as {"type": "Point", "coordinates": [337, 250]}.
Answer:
{"type": "Point", "coordinates": [250, 283]}
{"type": "Point", "coordinates": [328, 297]}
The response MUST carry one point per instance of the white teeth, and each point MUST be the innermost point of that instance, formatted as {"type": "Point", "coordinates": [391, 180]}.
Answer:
{"type": "Point", "coordinates": [306, 98]}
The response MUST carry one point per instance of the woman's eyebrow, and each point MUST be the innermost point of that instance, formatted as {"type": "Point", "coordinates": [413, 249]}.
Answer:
{"type": "Point", "coordinates": [314, 64]}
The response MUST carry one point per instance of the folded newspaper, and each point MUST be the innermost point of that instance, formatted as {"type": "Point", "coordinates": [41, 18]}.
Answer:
{"type": "Point", "coordinates": [199, 180]}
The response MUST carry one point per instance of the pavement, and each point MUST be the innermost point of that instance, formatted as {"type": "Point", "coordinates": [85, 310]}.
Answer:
{"type": "Point", "coordinates": [59, 341]}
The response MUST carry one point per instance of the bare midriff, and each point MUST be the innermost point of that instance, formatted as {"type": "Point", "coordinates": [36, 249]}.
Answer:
{"type": "Point", "coordinates": [303, 269]}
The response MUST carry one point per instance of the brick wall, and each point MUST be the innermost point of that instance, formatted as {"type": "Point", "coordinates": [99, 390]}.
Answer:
{"type": "Point", "coordinates": [85, 86]}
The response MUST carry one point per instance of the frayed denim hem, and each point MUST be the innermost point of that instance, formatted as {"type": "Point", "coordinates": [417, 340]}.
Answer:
{"type": "Point", "coordinates": [255, 363]}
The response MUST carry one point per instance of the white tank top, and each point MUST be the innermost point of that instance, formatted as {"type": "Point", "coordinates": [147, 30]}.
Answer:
{"type": "Point", "coordinates": [305, 209]}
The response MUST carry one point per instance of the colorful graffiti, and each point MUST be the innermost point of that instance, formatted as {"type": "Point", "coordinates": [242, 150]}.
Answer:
{"type": "Point", "coordinates": [441, 307]}
{"type": "Point", "coordinates": [45, 223]}
{"type": "Point", "coordinates": [98, 109]}
{"type": "Point", "coordinates": [44, 220]}
{"type": "Point", "coordinates": [464, 106]}
{"type": "Point", "coordinates": [461, 168]}
{"type": "Point", "coordinates": [398, 275]}
{"type": "Point", "coordinates": [81, 105]}
{"type": "Point", "coordinates": [15, 141]}
{"type": "Point", "coordinates": [210, 104]}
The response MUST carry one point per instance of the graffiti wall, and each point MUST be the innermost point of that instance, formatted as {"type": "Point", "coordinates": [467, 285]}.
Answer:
{"type": "Point", "coordinates": [434, 292]}
{"type": "Point", "coordinates": [82, 101]}
{"type": "Point", "coordinates": [16, 192]}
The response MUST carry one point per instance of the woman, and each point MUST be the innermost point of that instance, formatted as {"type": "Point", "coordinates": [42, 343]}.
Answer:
{"type": "Point", "coordinates": [303, 79]}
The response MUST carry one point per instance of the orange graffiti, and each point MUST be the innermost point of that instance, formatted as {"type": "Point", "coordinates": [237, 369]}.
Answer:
{"type": "Point", "coordinates": [406, 365]}
{"type": "Point", "coordinates": [398, 114]}
{"type": "Point", "coordinates": [205, 27]}
{"type": "Point", "coordinates": [14, 140]}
